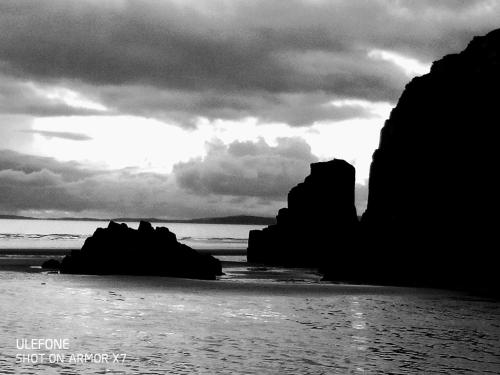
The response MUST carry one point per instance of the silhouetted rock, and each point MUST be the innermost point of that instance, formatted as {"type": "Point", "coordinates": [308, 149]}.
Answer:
{"type": "Point", "coordinates": [431, 216]}
{"type": "Point", "coordinates": [51, 264]}
{"type": "Point", "coordinates": [119, 249]}
{"type": "Point", "coordinates": [318, 224]}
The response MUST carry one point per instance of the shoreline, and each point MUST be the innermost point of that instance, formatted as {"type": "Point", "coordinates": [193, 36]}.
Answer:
{"type": "Point", "coordinates": [243, 276]}
{"type": "Point", "coordinates": [241, 279]}
{"type": "Point", "coordinates": [66, 251]}
{"type": "Point", "coordinates": [30, 261]}
{"type": "Point", "coordinates": [24, 259]}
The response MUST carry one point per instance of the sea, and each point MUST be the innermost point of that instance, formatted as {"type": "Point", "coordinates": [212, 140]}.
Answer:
{"type": "Point", "coordinates": [69, 234]}
{"type": "Point", "coordinates": [253, 320]}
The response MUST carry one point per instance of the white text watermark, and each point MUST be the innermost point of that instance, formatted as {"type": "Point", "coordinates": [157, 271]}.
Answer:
{"type": "Point", "coordinates": [57, 350]}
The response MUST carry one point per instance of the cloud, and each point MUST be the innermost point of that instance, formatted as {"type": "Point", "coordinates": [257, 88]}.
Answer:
{"type": "Point", "coordinates": [62, 135]}
{"type": "Point", "coordinates": [240, 178]}
{"type": "Point", "coordinates": [30, 182]}
{"type": "Point", "coordinates": [41, 178]}
{"type": "Point", "coordinates": [279, 61]}
{"type": "Point", "coordinates": [250, 169]}
{"type": "Point", "coordinates": [361, 197]}
{"type": "Point", "coordinates": [242, 170]}
{"type": "Point", "coordinates": [23, 97]}
{"type": "Point", "coordinates": [45, 187]}
{"type": "Point", "coordinates": [297, 62]}
{"type": "Point", "coordinates": [69, 171]}
{"type": "Point", "coordinates": [184, 108]}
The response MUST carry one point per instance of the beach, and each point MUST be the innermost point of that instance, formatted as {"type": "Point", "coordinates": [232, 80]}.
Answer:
{"type": "Point", "coordinates": [252, 320]}
{"type": "Point", "coordinates": [243, 325]}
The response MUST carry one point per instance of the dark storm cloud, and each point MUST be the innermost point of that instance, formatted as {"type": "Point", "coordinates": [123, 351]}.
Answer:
{"type": "Point", "coordinates": [251, 169]}
{"type": "Point", "coordinates": [240, 178]}
{"type": "Point", "coordinates": [27, 164]}
{"type": "Point", "coordinates": [242, 170]}
{"type": "Point", "coordinates": [32, 182]}
{"type": "Point", "coordinates": [294, 109]}
{"type": "Point", "coordinates": [62, 135]}
{"type": "Point", "coordinates": [179, 60]}
{"type": "Point", "coordinates": [39, 183]}
{"type": "Point", "coordinates": [36, 185]}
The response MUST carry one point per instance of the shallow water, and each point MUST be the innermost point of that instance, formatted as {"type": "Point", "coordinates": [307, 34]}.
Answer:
{"type": "Point", "coordinates": [243, 326]}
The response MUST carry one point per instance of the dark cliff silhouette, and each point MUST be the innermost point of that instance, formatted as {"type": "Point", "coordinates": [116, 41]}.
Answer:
{"type": "Point", "coordinates": [431, 215]}
{"type": "Point", "coordinates": [432, 206]}
{"type": "Point", "coordinates": [119, 249]}
{"type": "Point", "coordinates": [319, 222]}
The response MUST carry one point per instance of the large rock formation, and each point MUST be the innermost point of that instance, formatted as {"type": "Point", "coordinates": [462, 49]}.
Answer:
{"type": "Point", "coordinates": [318, 224]}
{"type": "Point", "coordinates": [431, 215]}
{"type": "Point", "coordinates": [119, 249]}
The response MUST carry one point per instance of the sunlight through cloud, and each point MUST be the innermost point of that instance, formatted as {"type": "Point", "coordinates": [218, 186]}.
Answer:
{"type": "Point", "coordinates": [69, 97]}
{"type": "Point", "coordinates": [411, 67]}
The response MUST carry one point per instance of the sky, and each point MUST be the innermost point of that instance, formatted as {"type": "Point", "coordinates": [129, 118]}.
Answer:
{"type": "Point", "coordinates": [185, 109]}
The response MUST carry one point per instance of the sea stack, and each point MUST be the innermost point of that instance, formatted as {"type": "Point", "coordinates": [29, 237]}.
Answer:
{"type": "Point", "coordinates": [320, 220]}
{"type": "Point", "coordinates": [432, 210]}
{"type": "Point", "coordinates": [119, 249]}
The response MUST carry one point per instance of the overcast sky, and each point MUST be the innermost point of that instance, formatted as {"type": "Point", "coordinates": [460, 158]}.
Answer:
{"type": "Point", "coordinates": [180, 108]}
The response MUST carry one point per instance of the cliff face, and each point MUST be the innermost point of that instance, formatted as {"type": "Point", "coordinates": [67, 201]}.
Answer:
{"type": "Point", "coordinates": [431, 216]}
{"type": "Point", "coordinates": [432, 190]}
{"type": "Point", "coordinates": [319, 222]}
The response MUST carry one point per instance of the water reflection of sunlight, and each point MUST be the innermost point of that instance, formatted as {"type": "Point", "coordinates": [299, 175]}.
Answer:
{"type": "Point", "coordinates": [359, 338]}
{"type": "Point", "coordinates": [357, 318]}
{"type": "Point", "coordinates": [264, 314]}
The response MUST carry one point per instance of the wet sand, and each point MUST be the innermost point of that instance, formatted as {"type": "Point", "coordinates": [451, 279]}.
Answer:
{"type": "Point", "coordinates": [239, 276]}
{"type": "Point", "coordinates": [233, 262]}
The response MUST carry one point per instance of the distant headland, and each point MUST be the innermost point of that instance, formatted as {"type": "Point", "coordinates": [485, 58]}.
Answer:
{"type": "Point", "coordinates": [237, 219]}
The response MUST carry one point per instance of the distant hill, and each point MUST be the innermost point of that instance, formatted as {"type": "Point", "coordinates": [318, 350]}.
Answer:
{"type": "Point", "coordinates": [240, 219]}
{"type": "Point", "coordinates": [16, 217]}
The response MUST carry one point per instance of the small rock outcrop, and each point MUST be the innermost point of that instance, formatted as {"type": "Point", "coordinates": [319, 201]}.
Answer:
{"type": "Point", "coordinates": [431, 216]}
{"type": "Point", "coordinates": [318, 225]}
{"type": "Point", "coordinates": [119, 249]}
{"type": "Point", "coordinates": [51, 264]}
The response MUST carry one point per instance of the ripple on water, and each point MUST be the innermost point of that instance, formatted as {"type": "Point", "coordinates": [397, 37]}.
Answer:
{"type": "Point", "coordinates": [226, 330]}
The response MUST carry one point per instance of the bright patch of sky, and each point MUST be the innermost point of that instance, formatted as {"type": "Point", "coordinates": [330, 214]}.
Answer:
{"type": "Point", "coordinates": [410, 66]}
{"type": "Point", "coordinates": [151, 145]}
{"type": "Point", "coordinates": [66, 96]}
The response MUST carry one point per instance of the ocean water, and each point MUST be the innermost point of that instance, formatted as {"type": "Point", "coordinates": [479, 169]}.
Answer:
{"type": "Point", "coordinates": [67, 234]}
{"type": "Point", "coordinates": [242, 326]}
